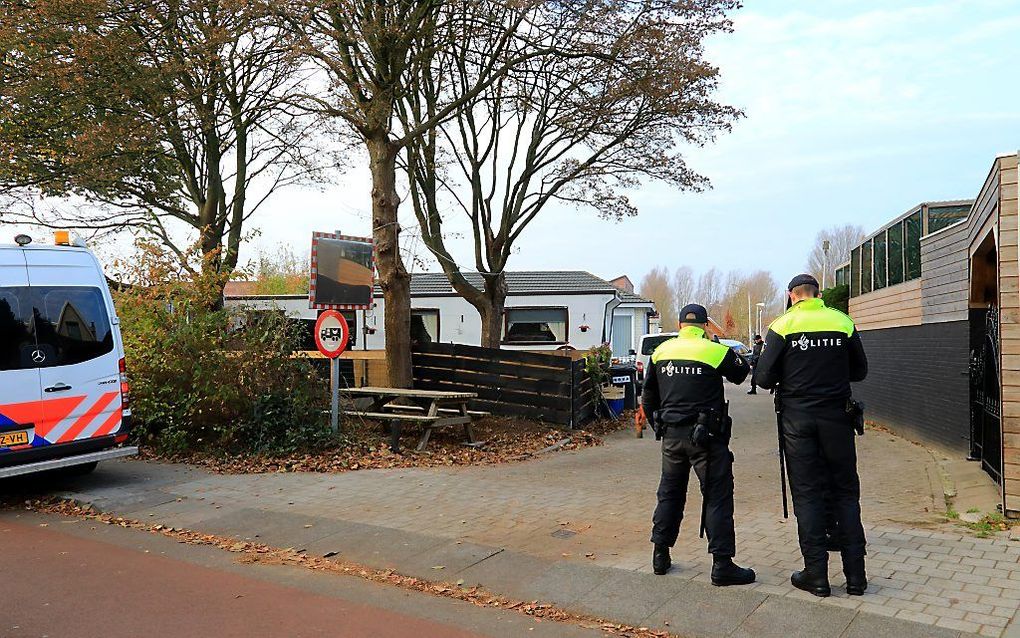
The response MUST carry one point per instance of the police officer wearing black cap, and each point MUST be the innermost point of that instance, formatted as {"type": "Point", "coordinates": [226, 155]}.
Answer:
{"type": "Point", "coordinates": [683, 397]}
{"type": "Point", "coordinates": [811, 355]}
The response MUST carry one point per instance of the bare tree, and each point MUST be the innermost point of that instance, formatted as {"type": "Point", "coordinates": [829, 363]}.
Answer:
{"type": "Point", "coordinates": [731, 298]}
{"type": "Point", "coordinates": [656, 287]}
{"type": "Point", "coordinates": [741, 296]}
{"type": "Point", "coordinates": [842, 239]}
{"type": "Point", "coordinates": [683, 287]}
{"type": "Point", "coordinates": [159, 115]}
{"type": "Point", "coordinates": [596, 97]}
{"type": "Point", "coordinates": [710, 290]}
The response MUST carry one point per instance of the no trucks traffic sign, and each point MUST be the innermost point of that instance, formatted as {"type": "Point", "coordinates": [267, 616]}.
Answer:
{"type": "Point", "coordinates": [331, 334]}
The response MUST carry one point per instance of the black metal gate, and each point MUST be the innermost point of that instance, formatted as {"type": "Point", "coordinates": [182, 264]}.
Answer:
{"type": "Point", "coordinates": [985, 404]}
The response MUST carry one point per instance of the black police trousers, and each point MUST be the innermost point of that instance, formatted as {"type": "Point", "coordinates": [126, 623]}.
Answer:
{"type": "Point", "coordinates": [714, 468]}
{"type": "Point", "coordinates": [821, 459]}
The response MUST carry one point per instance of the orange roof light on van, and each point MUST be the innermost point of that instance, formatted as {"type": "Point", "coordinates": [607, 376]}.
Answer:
{"type": "Point", "coordinates": [67, 238]}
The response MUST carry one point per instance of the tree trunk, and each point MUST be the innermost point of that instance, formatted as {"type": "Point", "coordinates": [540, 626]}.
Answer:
{"type": "Point", "coordinates": [393, 277]}
{"type": "Point", "coordinates": [489, 303]}
{"type": "Point", "coordinates": [211, 247]}
{"type": "Point", "coordinates": [491, 310]}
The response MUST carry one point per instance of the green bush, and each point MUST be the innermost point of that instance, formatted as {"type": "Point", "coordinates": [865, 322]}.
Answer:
{"type": "Point", "coordinates": [214, 380]}
{"type": "Point", "coordinates": [837, 297]}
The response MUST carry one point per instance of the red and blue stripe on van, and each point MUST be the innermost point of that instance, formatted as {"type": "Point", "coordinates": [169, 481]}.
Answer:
{"type": "Point", "coordinates": [52, 419]}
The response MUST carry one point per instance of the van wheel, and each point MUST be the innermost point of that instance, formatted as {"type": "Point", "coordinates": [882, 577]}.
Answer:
{"type": "Point", "coordinates": [83, 469]}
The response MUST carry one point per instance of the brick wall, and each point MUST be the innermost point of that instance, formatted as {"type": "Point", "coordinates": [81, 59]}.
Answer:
{"type": "Point", "coordinates": [917, 383]}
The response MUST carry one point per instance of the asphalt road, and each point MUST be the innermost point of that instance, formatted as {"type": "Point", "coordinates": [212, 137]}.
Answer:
{"type": "Point", "coordinates": [66, 577]}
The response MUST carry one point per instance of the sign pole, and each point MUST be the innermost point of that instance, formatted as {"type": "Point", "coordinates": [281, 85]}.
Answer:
{"type": "Point", "coordinates": [334, 378]}
{"type": "Point", "coordinates": [332, 335]}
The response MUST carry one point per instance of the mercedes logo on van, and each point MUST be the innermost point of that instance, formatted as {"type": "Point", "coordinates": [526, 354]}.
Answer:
{"type": "Point", "coordinates": [38, 356]}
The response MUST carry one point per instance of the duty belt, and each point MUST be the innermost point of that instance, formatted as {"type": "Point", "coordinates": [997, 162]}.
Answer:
{"type": "Point", "coordinates": [660, 425]}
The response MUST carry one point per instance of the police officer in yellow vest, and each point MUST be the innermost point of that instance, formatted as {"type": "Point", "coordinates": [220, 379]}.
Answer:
{"type": "Point", "coordinates": [683, 399]}
{"type": "Point", "coordinates": [811, 355]}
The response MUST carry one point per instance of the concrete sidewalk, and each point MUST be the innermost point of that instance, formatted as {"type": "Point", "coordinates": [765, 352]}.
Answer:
{"type": "Point", "coordinates": [572, 529]}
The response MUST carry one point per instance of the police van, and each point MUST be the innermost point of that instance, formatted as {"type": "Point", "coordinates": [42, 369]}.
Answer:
{"type": "Point", "coordinates": [63, 384]}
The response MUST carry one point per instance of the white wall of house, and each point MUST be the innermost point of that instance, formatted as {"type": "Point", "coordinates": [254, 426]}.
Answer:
{"type": "Point", "coordinates": [459, 321]}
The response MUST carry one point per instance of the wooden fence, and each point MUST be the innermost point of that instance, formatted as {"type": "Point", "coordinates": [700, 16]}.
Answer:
{"type": "Point", "coordinates": [359, 367]}
{"type": "Point", "coordinates": [545, 387]}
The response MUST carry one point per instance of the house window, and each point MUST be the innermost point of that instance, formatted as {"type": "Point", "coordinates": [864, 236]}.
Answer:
{"type": "Point", "coordinates": [424, 325]}
{"type": "Point", "coordinates": [941, 216]}
{"type": "Point", "coordinates": [855, 272]}
{"type": "Point", "coordinates": [879, 256]}
{"type": "Point", "coordinates": [912, 246]}
{"type": "Point", "coordinates": [535, 325]}
{"type": "Point", "coordinates": [896, 254]}
{"type": "Point", "coordinates": [866, 267]}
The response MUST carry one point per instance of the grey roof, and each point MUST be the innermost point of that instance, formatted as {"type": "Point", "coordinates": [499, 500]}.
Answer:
{"type": "Point", "coordinates": [431, 284]}
{"type": "Point", "coordinates": [630, 297]}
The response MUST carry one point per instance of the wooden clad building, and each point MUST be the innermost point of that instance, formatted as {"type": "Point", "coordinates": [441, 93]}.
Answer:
{"type": "Point", "coordinates": [936, 296]}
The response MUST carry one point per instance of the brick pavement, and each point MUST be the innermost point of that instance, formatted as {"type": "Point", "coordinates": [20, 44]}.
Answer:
{"type": "Point", "coordinates": [592, 507]}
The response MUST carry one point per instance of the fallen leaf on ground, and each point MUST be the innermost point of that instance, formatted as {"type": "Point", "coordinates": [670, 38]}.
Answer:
{"type": "Point", "coordinates": [508, 439]}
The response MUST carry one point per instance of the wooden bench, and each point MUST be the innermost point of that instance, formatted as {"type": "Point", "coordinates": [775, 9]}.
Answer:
{"type": "Point", "coordinates": [431, 408]}
{"type": "Point", "coordinates": [478, 414]}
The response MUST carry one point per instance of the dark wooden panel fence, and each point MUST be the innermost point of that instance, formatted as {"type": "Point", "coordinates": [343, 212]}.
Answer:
{"type": "Point", "coordinates": [546, 387]}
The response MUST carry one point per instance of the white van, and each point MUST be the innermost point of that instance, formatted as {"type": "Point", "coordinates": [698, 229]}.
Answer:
{"type": "Point", "coordinates": [63, 388]}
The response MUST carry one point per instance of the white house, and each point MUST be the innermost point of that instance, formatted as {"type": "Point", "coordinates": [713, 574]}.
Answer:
{"type": "Point", "coordinates": [544, 311]}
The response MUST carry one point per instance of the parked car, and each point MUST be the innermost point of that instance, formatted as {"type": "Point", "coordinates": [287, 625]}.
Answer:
{"type": "Point", "coordinates": [740, 348]}
{"type": "Point", "coordinates": [646, 346]}
{"type": "Point", "coordinates": [650, 342]}
{"type": "Point", "coordinates": [63, 384]}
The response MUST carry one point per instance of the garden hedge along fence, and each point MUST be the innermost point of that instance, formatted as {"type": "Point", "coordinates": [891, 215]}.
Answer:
{"type": "Point", "coordinates": [543, 387]}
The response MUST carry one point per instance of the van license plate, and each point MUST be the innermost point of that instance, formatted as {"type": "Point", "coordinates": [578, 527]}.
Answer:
{"type": "Point", "coordinates": [10, 439]}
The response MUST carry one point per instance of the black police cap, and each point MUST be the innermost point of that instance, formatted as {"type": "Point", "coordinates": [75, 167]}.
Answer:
{"type": "Point", "coordinates": [693, 313]}
{"type": "Point", "coordinates": [800, 280]}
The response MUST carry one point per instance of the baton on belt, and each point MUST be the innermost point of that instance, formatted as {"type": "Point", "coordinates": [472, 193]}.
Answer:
{"type": "Point", "coordinates": [782, 452]}
{"type": "Point", "coordinates": [703, 419]}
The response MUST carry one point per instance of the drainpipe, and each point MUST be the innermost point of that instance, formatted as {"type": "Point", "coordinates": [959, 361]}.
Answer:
{"type": "Point", "coordinates": [607, 318]}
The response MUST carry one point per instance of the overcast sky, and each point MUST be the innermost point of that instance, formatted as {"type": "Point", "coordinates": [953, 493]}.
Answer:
{"type": "Point", "coordinates": [856, 111]}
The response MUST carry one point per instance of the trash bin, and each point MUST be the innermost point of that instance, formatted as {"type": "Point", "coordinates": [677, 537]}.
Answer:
{"type": "Point", "coordinates": [614, 396]}
{"type": "Point", "coordinates": [624, 376]}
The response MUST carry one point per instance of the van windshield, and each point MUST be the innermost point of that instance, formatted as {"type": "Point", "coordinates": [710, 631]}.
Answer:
{"type": "Point", "coordinates": [44, 326]}
{"type": "Point", "coordinates": [15, 328]}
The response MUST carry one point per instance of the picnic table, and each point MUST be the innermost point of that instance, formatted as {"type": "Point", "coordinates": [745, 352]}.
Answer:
{"type": "Point", "coordinates": [432, 409]}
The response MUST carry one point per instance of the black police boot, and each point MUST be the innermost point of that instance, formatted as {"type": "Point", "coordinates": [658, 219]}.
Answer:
{"type": "Point", "coordinates": [856, 578]}
{"type": "Point", "coordinates": [811, 582]}
{"type": "Point", "coordinates": [661, 562]}
{"type": "Point", "coordinates": [725, 572]}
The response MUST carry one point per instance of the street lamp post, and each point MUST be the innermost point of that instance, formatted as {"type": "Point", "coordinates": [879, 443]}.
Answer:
{"type": "Point", "coordinates": [749, 339]}
{"type": "Point", "coordinates": [825, 261]}
{"type": "Point", "coordinates": [761, 313]}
